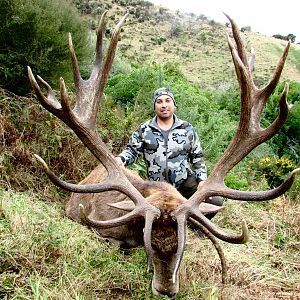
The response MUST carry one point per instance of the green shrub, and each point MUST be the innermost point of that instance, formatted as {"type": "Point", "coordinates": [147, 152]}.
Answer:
{"type": "Point", "coordinates": [134, 86]}
{"type": "Point", "coordinates": [287, 141]}
{"type": "Point", "coordinates": [34, 33]}
{"type": "Point", "coordinates": [133, 90]}
{"type": "Point", "coordinates": [233, 181]}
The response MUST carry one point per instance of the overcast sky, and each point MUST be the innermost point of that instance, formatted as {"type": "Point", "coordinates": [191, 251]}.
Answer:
{"type": "Point", "coordinates": [267, 17]}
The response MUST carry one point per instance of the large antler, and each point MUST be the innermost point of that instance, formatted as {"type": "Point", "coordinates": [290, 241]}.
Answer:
{"type": "Point", "coordinates": [82, 120]}
{"type": "Point", "coordinates": [249, 135]}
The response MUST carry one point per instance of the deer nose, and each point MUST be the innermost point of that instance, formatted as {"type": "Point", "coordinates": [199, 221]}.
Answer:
{"type": "Point", "coordinates": [166, 293]}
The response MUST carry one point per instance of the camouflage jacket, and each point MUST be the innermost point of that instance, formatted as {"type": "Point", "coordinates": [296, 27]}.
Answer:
{"type": "Point", "coordinates": [170, 156]}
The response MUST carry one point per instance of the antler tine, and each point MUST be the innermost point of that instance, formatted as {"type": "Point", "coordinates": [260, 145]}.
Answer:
{"type": "Point", "coordinates": [269, 88]}
{"type": "Point", "coordinates": [217, 247]}
{"type": "Point", "coordinates": [149, 218]}
{"type": "Point", "coordinates": [244, 76]}
{"type": "Point", "coordinates": [192, 210]}
{"type": "Point", "coordinates": [238, 40]}
{"type": "Point", "coordinates": [263, 195]}
{"type": "Point", "coordinates": [74, 61]}
{"type": "Point", "coordinates": [90, 91]}
{"type": "Point", "coordinates": [109, 223]}
{"type": "Point", "coordinates": [238, 63]}
{"type": "Point", "coordinates": [110, 54]}
{"type": "Point", "coordinates": [281, 118]}
{"type": "Point", "coordinates": [50, 102]}
{"type": "Point", "coordinates": [107, 185]}
{"type": "Point", "coordinates": [99, 42]}
{"type": "Point", "coordinates": [65, 103]}
{"type": "Point", "coordinates": [181, 233]}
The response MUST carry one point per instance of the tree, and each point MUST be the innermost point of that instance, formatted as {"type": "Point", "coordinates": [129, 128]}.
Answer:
{"type": "Point", "coordinates": [34, 32]}
{"type": "Point", "coordinates": [290, 37]}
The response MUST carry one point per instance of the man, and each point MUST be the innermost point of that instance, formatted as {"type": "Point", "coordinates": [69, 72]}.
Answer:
{"type": "Point", "coordinates": [170, 148]}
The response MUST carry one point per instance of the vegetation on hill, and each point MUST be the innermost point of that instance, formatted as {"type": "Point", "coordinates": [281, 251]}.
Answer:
{"type": "Point", "coordinates": [198, 45]}
{"type": "Point", "coordinates": [43, 255]}
{"type": "Point", "coordinates": [290, 37]}
{"type": "Point", "coordinates": [34, 33]}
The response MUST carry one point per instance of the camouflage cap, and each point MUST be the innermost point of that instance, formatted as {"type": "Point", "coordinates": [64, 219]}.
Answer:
{"type": "Point", "coordinates": [163, 91]}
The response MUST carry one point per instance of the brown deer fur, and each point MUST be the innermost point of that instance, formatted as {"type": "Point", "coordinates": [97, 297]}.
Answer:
{"type": "Point", "coordinates": [160, 194]}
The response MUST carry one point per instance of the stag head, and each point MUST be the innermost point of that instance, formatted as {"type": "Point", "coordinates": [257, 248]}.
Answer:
{"type": "Point", "coordinates": [151, 209]}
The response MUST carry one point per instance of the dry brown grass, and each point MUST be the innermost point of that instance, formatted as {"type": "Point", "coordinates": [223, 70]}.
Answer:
{"type": "Point", "coordinates": [268, 267]}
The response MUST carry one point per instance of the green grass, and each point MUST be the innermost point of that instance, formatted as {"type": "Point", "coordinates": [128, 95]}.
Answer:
{"type": "Point", "coordinates": [47, 256]}
{"type": "Point", "coordinates": [44, 255]}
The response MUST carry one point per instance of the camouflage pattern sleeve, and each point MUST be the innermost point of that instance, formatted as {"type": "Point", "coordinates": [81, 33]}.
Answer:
{"type": "Point", "coordinates": [197, 159]}
{"type": "Point", "coordinates": [134, 148]}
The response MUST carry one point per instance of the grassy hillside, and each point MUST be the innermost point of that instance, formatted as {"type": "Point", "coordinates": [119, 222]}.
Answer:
{"type": "Point", "coordinates": [197, 44]}
{"type": "Point", "coordinates": [44, 255]}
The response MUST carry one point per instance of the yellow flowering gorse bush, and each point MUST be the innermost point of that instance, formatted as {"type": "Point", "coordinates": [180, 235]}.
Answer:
{"type": "Point", "coordinates": [274, 169]}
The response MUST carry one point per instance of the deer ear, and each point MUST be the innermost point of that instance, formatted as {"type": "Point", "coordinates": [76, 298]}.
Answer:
{"type": "Point", "coordinates": [126, 205]}
{"type": "Point", "coordinates": [207, 208]}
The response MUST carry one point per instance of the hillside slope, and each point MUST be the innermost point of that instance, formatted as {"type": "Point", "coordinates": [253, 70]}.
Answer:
{"type": "Point", "coordinates": [154, 34]}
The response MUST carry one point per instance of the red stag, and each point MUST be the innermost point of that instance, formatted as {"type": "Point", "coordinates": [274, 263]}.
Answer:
{"type": "Point", "coordinates": [147, 213]}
